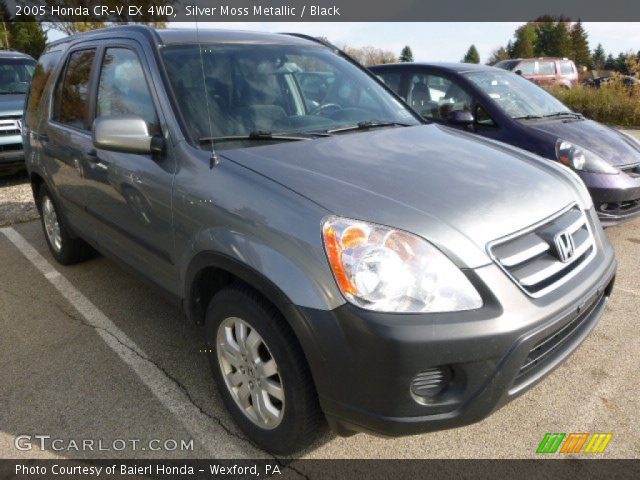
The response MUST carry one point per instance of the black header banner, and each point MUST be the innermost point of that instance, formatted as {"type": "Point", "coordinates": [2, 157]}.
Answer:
{"type": "Point", "coordinates": [320, 10]}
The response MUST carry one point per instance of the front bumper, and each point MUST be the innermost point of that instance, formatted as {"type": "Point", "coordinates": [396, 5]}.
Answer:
{"type": "Point", "coordinates": [11, 153]}
{"type": "Point", "coordinates": [615, 197]}
{"type": "Point", "coordinates": [365, 361]}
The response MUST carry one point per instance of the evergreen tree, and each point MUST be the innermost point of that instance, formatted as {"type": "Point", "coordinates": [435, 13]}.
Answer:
{"type": "Point", "coordinates": [553, 38]}
{"type": "Point", "coordinates": [621, 63]}
{"type": "Point", "coordinates": [610, 63]}
{"type": "Point", "coordinates": [524, 45]}
{"type": "Point", "coordinates": [497, 55]}
{"type": "Point", "coordinates": [509, 49]}
{"type": "Point", "coordinates": [472, 55]}
{"type": "Point", "coordinates": [580, 53]}
{"type": "Point", "coordinates": [406, 55]}
{"type": "Point", "coordinates": [599, 58]}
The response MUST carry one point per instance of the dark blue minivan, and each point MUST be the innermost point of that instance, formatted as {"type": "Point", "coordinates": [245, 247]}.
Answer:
{"type": "Point", "coordinates": [504, 106]}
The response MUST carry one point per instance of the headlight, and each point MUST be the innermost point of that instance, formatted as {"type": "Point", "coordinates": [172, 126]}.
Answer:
{"type": "Point", "coordinates": [387, 270]}
{"type": "Point", "coordinates": [582, 159]}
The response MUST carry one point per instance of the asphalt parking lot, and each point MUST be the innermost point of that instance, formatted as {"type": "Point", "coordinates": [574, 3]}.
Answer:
{"type": "Point", "coordinates": [91, 352]}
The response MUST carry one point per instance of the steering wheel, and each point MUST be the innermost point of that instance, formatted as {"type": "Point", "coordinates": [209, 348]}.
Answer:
{"type": "Point", "coordinates": [325, 108]}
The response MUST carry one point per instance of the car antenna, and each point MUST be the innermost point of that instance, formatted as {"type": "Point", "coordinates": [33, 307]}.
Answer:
{"type": "Point", "coordinates": [213, 160]}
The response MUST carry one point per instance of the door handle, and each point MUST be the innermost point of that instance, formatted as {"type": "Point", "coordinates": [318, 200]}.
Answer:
{"type": "Point", "coordinates": [93, 158]}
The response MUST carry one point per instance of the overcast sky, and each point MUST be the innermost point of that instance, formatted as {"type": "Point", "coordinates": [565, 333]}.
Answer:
{"type": "Point", "coordinates": [431, 41]}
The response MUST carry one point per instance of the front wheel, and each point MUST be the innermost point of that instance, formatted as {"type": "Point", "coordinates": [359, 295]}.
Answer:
{"type": "Point", "coordinates": [65, 248]}
{"type": "Point", "coordinates": [261, 371]}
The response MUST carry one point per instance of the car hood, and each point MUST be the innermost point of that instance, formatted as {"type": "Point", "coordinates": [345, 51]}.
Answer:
{"type": "Point", "coordinates": [11, 105]}
{"type": "Point", "coordinates": [457, 190]}
{"type": "Point", "coordinates": [600, 139]}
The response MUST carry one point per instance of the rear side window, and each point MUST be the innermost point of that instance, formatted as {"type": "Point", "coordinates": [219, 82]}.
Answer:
{"type": "Point", "coordinates": [44, 68]}
{"type": "Point", "coordinates": [547, 68]}
{"type": "Point", "coordinates": [527, 68]}
{"type": "Point", "coordinates": [566, 68]}
{"type": "Point", "coordinates": [435, 97]}
{"type": "Point", "coordinates": [123, 89]}
{"type": "Point", "coordinates": [71, 97]}
{"type": "Point", "coordinates": [392, 80]}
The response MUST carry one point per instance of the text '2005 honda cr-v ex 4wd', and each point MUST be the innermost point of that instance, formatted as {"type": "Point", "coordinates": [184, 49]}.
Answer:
{"type": "Point", "coordinates": [349, 263]}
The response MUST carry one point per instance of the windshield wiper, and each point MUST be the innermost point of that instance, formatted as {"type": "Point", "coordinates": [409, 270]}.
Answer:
{"type": "Point", "coordinates": [527, 117]}
{"type": "Point", "coordinates": [367, 124]}
{"type": "Point", "coordinates": [562, 114]}
{"type": "Point", "coordinates": [256, 136]}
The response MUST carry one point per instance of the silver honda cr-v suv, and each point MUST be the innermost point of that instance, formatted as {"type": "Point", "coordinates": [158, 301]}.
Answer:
{"type": "Point", "coordinates": [348, 261]}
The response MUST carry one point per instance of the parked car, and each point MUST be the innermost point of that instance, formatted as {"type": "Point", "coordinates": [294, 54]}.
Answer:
{"type": "Point", "coordinates": [626, 80]}
{"type": "Point", "coordinates": [348, 261]}
{"type": "Point", "coordinates": [546, 71]}
{"type": "Point", "coordinates": [16, 70]}
{"type": "Point", "coordinates": [502, 106]}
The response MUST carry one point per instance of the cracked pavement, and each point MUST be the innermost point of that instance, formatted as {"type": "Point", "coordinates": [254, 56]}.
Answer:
{"type": "Point", "coordinates": [138, 373]}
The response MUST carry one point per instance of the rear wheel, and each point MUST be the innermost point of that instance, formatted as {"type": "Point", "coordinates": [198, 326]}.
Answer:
{"type": "Point", "coordinates": [63, 246]}
{"type": "Point", "coordinates": [261, 371]}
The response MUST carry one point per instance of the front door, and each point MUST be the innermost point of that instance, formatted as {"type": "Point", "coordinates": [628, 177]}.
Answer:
{"type": "Point", "coordinates": [129, 194]}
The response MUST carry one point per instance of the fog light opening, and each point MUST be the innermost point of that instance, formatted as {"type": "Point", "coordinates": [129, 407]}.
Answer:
{"type": "Point", "coordinates": [430, 383]}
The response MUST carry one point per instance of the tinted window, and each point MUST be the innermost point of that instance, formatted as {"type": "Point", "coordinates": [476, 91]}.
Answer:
{"type": "Point", "coordinates": [15, 74]}
{"type": "Point", "coordinates": [517, 96]}
{"type": "Point", "coordinates": [547, 68]}
{"type": "Point", "coordinates": [71, 97]}
{"type": "Point", "coordinates": [123, 89]}
{"type": "Point", "coordinates": [392, 80]}
{"type": "Point", "coordinates": [435, 97]}
{"type": "Point", "coordinates": [566, 68]}
{"type": "Point", "coordinates": [527, 68]}
{"type": "Point", "coordinates": [237, 89]}
{"type": "Point", "coordinates": [483, 118]}
{"type": "Point", "coordinates": [507, 64]}
{"type": "Point", "coordinates": [45, 67]}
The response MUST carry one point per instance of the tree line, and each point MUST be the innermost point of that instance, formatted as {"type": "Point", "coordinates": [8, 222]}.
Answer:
{"type": "Point", "coordinates": [550, 36]}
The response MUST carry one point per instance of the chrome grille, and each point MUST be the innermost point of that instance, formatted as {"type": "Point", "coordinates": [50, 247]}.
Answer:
{"type": "Point", "coordinates": [9, 126]}
{"type": "Point", "coordinates": [544, 256]}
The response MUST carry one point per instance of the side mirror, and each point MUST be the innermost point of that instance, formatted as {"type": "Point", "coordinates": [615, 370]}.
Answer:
{"type": "Point", "coordinates": [124, 133]}
{"type": "Point", "coordinates": [518, 72]}
{"type": "Point", "coordinates": [460, 117]}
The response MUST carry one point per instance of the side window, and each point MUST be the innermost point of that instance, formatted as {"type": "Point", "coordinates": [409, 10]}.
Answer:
{"type": "Point", "coordinates": [392, 80]}
{"type": "Point", "coordinates": [435, 97]}
{"type": "Point", "coordinates": [527, 68]}
{"type": "Point", "coordinates": [483, 118]}
{"type": "Point", "coordinates": [44, 68]}
{"type": "Point", "coordinates": [71, 95]}
{"type": "Point", "coordinates": [566, 68]}
{"type": "Point", "coordinates": [123, 89]}
{"type": "Point", "coordinates": [547, 68]}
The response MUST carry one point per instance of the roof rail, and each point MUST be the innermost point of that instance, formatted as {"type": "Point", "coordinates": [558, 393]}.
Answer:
{"type": "Point", "coordinates": [312, 39]}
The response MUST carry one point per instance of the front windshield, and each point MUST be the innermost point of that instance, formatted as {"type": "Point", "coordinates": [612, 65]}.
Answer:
{"type": "Point", "coordinates": [15, 75]}
{"type": "Point", "coordinates": [257, 88]}
{"type": "Point", "coordinates": [517, 96]}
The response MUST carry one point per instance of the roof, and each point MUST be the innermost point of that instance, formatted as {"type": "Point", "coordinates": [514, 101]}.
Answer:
{"type": "Point", "coordinates": [189, 35]}
{"type": "Point", "coordinates": [14, 54]}
{"type": "Point", "coordinates": [444, 66]}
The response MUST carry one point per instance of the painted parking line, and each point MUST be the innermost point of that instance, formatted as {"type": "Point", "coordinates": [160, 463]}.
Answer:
{"type": "Point", "coordinates": [214, 437]}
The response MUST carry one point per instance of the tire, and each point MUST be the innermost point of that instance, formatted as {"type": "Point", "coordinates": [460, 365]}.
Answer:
{"type": "Point", "coordinates": [299, 418]}
{"type": "Point", "coordinates": [65, 248]}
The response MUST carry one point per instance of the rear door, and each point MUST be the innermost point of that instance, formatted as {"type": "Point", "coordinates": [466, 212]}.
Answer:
{"type": "Point", "coordinates": [129, 194]}
{"type": "Point", "coordinates": [547, 72]}
{"type": "Point", "coordinates": [66, 136]}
